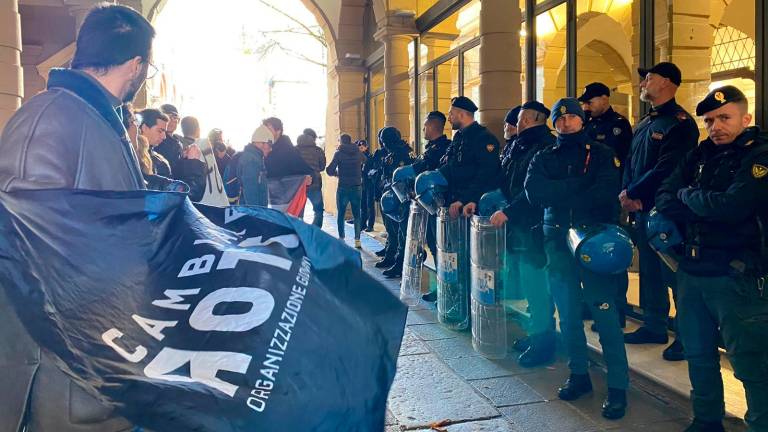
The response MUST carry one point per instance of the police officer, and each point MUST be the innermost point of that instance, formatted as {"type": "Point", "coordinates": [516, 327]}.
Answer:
{"type": "Point", "coordinates": [375, 176]}
{"type": "Point", "coordinates": [526, 255]}
{"type": "Point", "coordinates": [660, 141]}
{"type": "Point", "coordinates": [510, 131]}
{"type": "Point", "coordinates": [606, 126]}
{"type": "Point", "coordinates": [472, 167]}
{"type": "Point", "coordinates": [399, 154]}
{"type": "Point", "coordinates": [718, 195]}
{"type": "Point", "coordinates": [430, 160]}
{"type": "Point", "coordinates": [576, 181]}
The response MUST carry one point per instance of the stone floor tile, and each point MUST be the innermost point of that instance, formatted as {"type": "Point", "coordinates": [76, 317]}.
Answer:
{"type": "Point", "coordinates": [429, 332]}
{"type": "Point", "coordinates": [507, 391]}
{"type": "Point", "coordinates": [459, 347]}
{"type": "Point", "coordinates": [548, 416]}
{"type": "Point", "coordinates": [473, 368]}
{"type": "Point", "coordinates": [412, 345]}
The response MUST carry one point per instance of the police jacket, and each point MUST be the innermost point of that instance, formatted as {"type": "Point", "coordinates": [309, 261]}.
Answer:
{"type": "Point", "coordinates": [434, 151]}
{"type": "Point", "coordinates": [514, 167]}
{"type": "Point", "coordinates": [472, 167]}
{"type": "Point", "coordinates": [69, 136]}
{"type": "Point", "coordinates": [613, 130]}
{"type": "Point", "coordinates": [397, 156]}
{"type": "Point", "coordinates": [347, 165]}
{"type": "Point", "coordinates": [660, 141]}
{"type": "Point", "coordinates": [718, 194]}
{"type": "Point", "coordinates": [252, 172]}
{"type": "Point", "coordinates": [576, 181]}
{"type": "Point", "coordinates": [375, 171]}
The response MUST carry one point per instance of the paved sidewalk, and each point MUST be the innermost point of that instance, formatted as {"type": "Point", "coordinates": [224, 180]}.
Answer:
{"type": "Point", "coordinates": [441, 379]}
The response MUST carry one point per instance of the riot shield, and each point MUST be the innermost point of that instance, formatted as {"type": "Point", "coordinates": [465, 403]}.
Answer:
{"type": "Point", "coordinates": [487, 257]}
{"type": "Point", "coordinates": [410, 284]}
{"type": "Point", "coordinates": [452, 271]}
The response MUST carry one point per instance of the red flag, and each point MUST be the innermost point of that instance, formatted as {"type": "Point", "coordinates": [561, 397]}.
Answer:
{"type": "Point", "coordinates": [298, 202]}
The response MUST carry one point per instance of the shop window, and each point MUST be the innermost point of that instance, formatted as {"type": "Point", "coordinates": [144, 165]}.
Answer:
{"type": "Point", "coordinates": [459, 28]}
{"type": "Point", "coordinates": [447, 86]}
{"type": "Point", "coordinates": [471, 85]}
{"type": "Point", "coordinates": [426, 100]}
{"type": "Point", "coordinates": [551, 55]}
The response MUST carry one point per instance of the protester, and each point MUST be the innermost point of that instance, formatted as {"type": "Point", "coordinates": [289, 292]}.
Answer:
{"type": "Point", "coordinates": [152, 128]}
{"type": "Point", "coordinates": [223, 157]}
{"type": "Point", "coordinates": [110, 64]}
{"type": "Point", "coordinates": [251, 168]}
{"type": "Point", "coordinates": [284, 160]}
{"type": "Point", "coordinates": [139, 143]}
{"type": "Point", "coordinates": [171, 147]}
{"type": "Point", "coordinates": [347, 165]}
{"type": "Point", "coordinates": [314, 156]}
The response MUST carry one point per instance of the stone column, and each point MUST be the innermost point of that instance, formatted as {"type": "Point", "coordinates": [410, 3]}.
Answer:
{"type": "Point", "coordinates": [500, 63]}
{"type": "Point", "coordinates": [396, 97]}
{"type": "Point", "coordinates": [11, 73]}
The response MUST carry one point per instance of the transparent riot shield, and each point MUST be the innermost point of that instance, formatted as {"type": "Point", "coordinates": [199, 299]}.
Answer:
{"type": "Point", "coordinates": [452, 271]}
{"type": "Point", "coordinates": [410, 284]}
{"type": "Point", "coordinates": [487, 257]}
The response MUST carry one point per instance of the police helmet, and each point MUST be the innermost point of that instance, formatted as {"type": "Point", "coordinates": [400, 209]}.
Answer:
{"type": "Point", "coordinates": [391, 206]}
{"type": "Point", "coordinates": [662, 233]}
{"type": "Point", "coordinates": [430, 188]}
{"type": "Point", "coordinates": [402, 182]}
{"type": "Point", "coordinates": [491, 202]}
{"type": "Point", "coordinates": [602, 248]}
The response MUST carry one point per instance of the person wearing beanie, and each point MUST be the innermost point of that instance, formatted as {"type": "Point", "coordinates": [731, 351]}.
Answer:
{"type": "Point", "coordinates": [251, 168]}
{"type": "Point", "coordinates": [525, 254]}
{"type": "Point", "coordinates": [717, 195]}
{"type": "Point", "coordinates": [472, 165]}
{"type": "Point", "coordinates": [347, 165]}
{"type": "Point", "coordinates": [576, 181]}
{"type": "Point", "coordinates": [661, 140]}
{"type": "Point", "coordinates": [398, 154]}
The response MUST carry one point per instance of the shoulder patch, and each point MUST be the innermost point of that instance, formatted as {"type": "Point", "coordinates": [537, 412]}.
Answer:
{"type": "Point", "coordinates": [657, 135]}
{"type": "Point", "coordinates": [759, 171]}
{"type": "Point", "coordinates": [616, 162]}
{"type": "Point", "coordinates": [617, 131]}
{"type": "Point", "coordinates": [490, 148]}
{"type": "Point", "coordinates": [600, 137]}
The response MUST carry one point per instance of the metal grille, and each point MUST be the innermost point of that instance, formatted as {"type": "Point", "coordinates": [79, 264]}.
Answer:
{"type": "Point", "coordinates": [732, 50]}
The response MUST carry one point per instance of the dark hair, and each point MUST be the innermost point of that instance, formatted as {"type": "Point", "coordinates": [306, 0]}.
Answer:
{"type": "Point", "coordinates": [110, 36]}
{"type": "Point", "coordinates": [150, 117]}
{"type": "Point", "coordinates": [216, 135]}
{"type": "Point", "coordinates": [189, 125]}
{"type": "Point", "coordinates": [273, 122]}
{"type": "Point", "coordinates": [345, 139]}
{"type": "Point", "coordinates": [128, 118]}
{"type": "Point", "coordinates": [362, 142]}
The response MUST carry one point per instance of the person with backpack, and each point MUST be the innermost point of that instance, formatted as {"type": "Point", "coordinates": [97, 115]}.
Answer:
{"type": "Point", "coordinates": [247, 172]}
{"type": "Point", "coordinates": [314, 156]}
{"type": "Point", "coordinates": [347, 165]}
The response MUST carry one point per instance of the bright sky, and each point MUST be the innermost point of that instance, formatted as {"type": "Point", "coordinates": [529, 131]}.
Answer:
{"type": "Point", "coordinates": [202, 50]}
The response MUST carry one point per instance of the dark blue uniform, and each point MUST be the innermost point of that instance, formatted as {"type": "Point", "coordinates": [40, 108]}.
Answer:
{"type": "Point", "coordinates": [526, 257]}
{"type": "Point", "coordinates": [397, 156]}
{"type": "Point", "coordinates": [430, 160]}
{"type": "Point", "coordinates": [719, 196]}
{"type": "Point", "coordinates": [367, 206]}
{"type": "Point", "coordinates": [472, 167]}
{"type": "Point", "coordinates": [660, 141]}
{"type": "Point", "coordinates": [614, 130]}
{"type": "Point", "coordinates": [576, 181]}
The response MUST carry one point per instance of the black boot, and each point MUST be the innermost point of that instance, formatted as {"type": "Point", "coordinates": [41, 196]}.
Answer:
{"type": "Point", "coordinates": [644, 336]}
{"type": "Point", "coordinates": [385, 263]}
{"type": "Point", "coordinates": [703, 426]}
{"type": "Point", "coordinates": [575, 387]}
{"type": "Point", "coordinates": [674, 352]}
{"type": "Point", "coordinates": [393, 272]}
{"type": "Point", "coordinates": [615, 404]}
{"type": "Point", "coordinates": [540, 351]}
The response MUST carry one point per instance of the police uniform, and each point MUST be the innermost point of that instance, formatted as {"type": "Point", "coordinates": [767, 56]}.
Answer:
{"type": "Point", "coordinates": [660, 141]}
{"type": "Point", "coordinates": [472, 165]}
{"type": "Point", "coordinates": [718, 195]}
{"type": "Point", "coordinates": [576, 181]}
{"type": "Point", "coordinates": [526, 258]}
{"type": "Point", "coordinates": [430, 160]}
{"type": "Point", "coordinates": [613, 130]}
{"type": "Point", "coordinates": [399, 154]}
{"type": "Point", "coordinates": [510, 118]}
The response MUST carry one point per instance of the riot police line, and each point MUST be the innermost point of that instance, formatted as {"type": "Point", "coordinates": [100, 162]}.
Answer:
{"type": "Point", "coordinates": [597, 192]}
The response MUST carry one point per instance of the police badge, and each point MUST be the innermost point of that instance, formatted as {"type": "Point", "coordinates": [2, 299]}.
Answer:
{"type": "Point", "coordinates": [617, 131]}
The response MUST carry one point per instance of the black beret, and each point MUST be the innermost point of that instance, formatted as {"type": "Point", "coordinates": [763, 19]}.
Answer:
{"type": "Point", "coordinates": [593, 90]}
{"type": "Point", "coordinates": [436, 115]}
{"type": "Point", "coordinates": [511, 117]}
{"type": "Point", "coordinates": [567, 106]}
{"type": "Point", "coordinates": [719, 97]}
{"type": "Point", "coordinates": [536, 106]}
{"type": "Point", "coordinates": [464, 103]}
